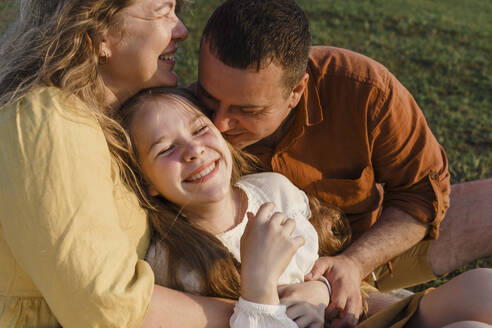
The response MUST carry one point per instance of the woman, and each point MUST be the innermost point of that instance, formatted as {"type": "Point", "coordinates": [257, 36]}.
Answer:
{"type": "Point", "coordinates": [72, 236]}
{"type": "Point", "coordinates": [64, 66]}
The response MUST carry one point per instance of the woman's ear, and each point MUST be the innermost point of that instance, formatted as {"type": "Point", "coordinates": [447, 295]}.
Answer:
{"type": "Point", "coordinates": [105, 47]}
{"type": "Point", "coordinates": [104, 52]}
{"type": "Point", "coordinates": [298, 90]}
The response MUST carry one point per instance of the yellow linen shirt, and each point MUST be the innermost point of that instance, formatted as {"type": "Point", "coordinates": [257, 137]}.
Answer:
{"type": "Point", "coordinates": [72, 236]}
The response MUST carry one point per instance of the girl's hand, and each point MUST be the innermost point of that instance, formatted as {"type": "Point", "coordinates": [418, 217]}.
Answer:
{"type": "Point", "coordinates": [306, 303]}
{"type": "Point", "coordinates": [266, 249]}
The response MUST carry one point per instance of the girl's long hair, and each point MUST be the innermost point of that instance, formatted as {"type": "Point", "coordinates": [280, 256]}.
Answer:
{"type": "Point", "coordinates": [194, 249]}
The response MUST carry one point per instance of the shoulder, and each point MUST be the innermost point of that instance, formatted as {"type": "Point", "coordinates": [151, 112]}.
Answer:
{"type": "Point", "coordinates": [49, 126]}
{"type": "Point", "coordinates": [270, 183]}
{"type": "Point", "coordinates": [325, 61]}
{"type": "Point", "coordinates": [48, 113]}
{"type": "Point", "coordinates": [278, 189]}
{"type": "Point", "coordinates": [44, 105]}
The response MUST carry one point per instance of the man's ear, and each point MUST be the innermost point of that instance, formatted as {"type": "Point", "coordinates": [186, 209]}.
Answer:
{"type": "Point", "coordinates": [298, 90]}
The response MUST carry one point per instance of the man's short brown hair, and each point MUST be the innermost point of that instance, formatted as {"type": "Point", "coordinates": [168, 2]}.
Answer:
{"type": "Point", "coordinates": [253, 33]}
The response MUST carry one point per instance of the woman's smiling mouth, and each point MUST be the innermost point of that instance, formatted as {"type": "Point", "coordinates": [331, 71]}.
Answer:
{"type": "Point", "coordinates": [168, 58]}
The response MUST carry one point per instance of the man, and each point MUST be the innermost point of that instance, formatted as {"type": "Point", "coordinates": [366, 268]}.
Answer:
{"type": "Point", "coordinates": [342, 128]}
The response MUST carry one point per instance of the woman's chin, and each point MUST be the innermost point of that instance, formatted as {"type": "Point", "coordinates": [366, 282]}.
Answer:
{"type": "Point", "coordinates": [168, 79]}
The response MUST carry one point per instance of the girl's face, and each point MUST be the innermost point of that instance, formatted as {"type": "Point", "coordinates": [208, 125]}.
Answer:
{"type": "Point", "coordinates": [183, 156]}
{"type": "Point", "coordinates": [141, 54]}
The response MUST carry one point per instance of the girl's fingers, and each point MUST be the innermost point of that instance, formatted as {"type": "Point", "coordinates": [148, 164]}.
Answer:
{"type": "Point", "coordinates": [304, 321]}
{"type": "Point", "coordinates": [298, 241]}
{"type": "Point", "coordinates": [316, 325]}
{"type": "Point", "coordinates": [277, 218]}
{"type": "Point", "coordinates": [264, 212]}
{"type": "Point", "coordinates": [303, 315]}
{"type": "Point", "coordinates": [294, 311]}
{"type": "Point", "coordinates": [289, 225]}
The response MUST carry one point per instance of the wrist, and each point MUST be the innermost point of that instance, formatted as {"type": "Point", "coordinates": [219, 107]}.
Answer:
{"type": "Point", "coordinates": [327, 284]}
{"type": "Point", "coordinates": [357, 266]}
{"type": "Point", "coordinates": [260, 294]}
{"type": "Point", "coordinates": [258, 288]}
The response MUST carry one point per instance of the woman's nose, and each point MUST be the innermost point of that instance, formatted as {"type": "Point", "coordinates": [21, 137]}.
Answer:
{"type": "Point", "coordinates": [180, 32]}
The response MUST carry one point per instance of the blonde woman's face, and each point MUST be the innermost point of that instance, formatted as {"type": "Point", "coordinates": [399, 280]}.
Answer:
{"type": "Point", "coordinates": [142, 54]}
{"type": "Point", "coordinates": [183, 156]}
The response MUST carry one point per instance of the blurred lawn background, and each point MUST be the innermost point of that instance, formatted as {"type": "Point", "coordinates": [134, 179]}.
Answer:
{"type": "Point", "coordinates": [440, 50]}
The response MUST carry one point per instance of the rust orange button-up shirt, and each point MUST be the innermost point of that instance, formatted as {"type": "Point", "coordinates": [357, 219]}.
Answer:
{"type": "Point", "coordinates": [360, 141]}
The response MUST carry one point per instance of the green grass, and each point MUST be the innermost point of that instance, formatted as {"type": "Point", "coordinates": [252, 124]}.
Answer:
{"type": "Point", "coordinates": [440, 50]}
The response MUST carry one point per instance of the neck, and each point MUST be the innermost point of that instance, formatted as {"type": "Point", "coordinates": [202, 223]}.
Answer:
{"type": "Point", "coordinates": [111, 101]}
{"type": "Point", "coordinates": [220, 216]}
{"type": "Point", "coordinates": [115, 94]}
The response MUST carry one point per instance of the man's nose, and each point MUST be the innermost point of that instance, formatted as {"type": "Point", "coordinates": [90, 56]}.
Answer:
{"type": "Point", "coordinates": [222, 119]}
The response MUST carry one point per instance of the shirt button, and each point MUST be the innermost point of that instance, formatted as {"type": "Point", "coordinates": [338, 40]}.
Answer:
{"type": "Point", "coordinates": [433, 176]}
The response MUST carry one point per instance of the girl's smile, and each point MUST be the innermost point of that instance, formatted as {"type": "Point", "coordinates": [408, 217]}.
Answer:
{"type": "Point", "coordinates": [204, 173]}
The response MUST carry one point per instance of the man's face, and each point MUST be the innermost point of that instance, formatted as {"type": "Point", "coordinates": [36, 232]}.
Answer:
{"type": "Point", "coordinates": [247, 106]}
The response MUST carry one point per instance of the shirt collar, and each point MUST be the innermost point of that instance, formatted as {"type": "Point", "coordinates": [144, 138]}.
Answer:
{"type": "Point", "coordinates": [310, 104]}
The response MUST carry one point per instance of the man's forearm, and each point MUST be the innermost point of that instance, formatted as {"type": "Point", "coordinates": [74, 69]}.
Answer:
{"type": "Point", "coordinates": [394, 233]}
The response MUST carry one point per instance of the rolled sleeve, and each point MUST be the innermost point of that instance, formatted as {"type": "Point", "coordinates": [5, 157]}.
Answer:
{"type": "Point", "coordinates": [407, 158]}
{"type": "Point", "coordinates": [59, 216]}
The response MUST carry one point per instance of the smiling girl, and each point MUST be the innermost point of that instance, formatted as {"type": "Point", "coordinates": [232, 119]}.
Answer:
{"type": "Point", "coordinates": [201, 201]}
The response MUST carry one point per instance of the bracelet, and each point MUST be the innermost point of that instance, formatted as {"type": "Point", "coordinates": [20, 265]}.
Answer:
{"type": "Point", "coordinates": [327, 283]}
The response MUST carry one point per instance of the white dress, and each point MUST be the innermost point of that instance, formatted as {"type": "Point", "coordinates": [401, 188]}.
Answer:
{"type": "Point", "coordinates": [261, 188]}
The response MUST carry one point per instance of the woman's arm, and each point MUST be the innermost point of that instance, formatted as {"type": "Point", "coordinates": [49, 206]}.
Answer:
{"type": "Point", "coordinates": [169, 308]}
{"type": "Point", "coordinates": [60, 217]}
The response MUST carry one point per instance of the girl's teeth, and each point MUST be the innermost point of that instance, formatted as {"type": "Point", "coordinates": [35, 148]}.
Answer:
{"type": "Point", "coordinates": [203, 173]}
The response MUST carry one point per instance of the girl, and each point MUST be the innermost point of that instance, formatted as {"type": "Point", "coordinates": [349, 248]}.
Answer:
{"type": "Point", "coordinates": [62, 72]}
{"type": "Point", "coordinates": [198, 196]}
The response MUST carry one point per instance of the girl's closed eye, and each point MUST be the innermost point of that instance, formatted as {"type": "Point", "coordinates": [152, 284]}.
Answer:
{"type": "Point", "coordinates": [202, 129]}
{"type": "Point", "coordinates": [167, 150]}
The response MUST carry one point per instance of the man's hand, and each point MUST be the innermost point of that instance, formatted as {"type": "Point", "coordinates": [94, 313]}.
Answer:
{"type": "Point", "coordinates": [345, 276]}
{"type": "Point", "coordinates": [306, 303]}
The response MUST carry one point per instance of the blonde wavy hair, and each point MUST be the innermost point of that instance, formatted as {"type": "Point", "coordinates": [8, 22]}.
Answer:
{"type": "Point", "coordinates": [56, 43]}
